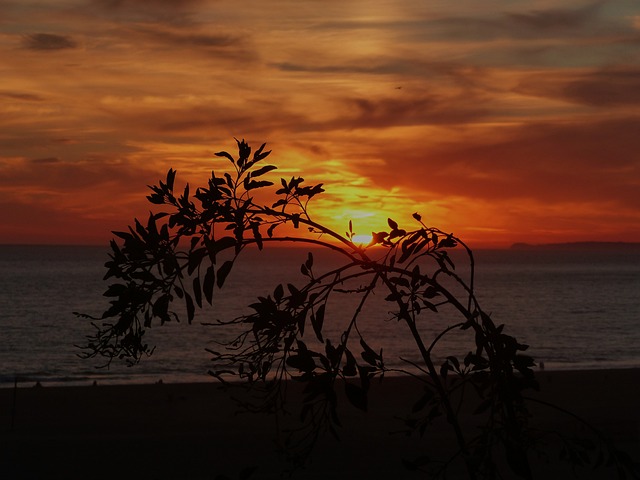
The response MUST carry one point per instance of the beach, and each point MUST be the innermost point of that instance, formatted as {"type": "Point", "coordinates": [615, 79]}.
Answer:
{"type": "Point", "coordinates": [196, 431]}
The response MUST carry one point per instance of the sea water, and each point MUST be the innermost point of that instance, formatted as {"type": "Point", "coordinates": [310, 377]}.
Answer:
{"type": "Point", "coordinates": [576, 309]}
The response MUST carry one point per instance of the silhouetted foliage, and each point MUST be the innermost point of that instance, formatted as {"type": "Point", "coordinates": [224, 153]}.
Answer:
{"type": "Point", "coordinates": [184, 253]}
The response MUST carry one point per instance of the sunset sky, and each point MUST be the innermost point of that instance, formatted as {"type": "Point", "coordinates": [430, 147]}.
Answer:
{"type": "Point", "coordinates": [501, 121]}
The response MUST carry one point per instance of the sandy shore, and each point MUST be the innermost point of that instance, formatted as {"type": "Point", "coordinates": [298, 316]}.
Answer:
{"type": "Point", "coordinates": [193, 431]}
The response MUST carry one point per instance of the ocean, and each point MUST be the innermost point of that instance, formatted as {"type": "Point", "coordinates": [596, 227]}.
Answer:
{"type": "Point", "coordinates": [577, 309]}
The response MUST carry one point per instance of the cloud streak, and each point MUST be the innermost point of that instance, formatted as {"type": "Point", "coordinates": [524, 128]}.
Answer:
{"type": "Point", "coordinates": [601, 88]}
{"type": "Point", "coordinates": [494, 122]}
{"type": "Point", "coordinates": [48, 42]}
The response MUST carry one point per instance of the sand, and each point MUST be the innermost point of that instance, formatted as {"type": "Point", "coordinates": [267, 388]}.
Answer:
{"type": "Point", "coordinates": [194, 431]}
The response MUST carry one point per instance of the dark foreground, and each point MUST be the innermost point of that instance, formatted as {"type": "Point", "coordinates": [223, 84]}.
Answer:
{"type": "Point", "coordinates": [193, 431]}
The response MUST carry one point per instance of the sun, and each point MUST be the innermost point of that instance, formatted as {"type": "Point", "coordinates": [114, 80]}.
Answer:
{"type": "Point", "coordinates": [361, 239]}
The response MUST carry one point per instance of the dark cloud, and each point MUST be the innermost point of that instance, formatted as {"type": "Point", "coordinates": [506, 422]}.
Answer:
{"type": "Point", "coordinates": [600, 88]}
{"type": "Point", "coordinates": [48, 41]}
{"type": "Point", "coordinates": [168, 12]}
{"type": "Point", "coordinates": [584, 21]}
{"type": "Point", "coordinates": [65, 177]}
{"type": "Point", "coordinates": [27, 97]}
{"type": "Point", "coordinates": [331, 69]}
{"type": "Point", "coordinates": [349, 114]}
{"type": "Point", "coordinates": [412, 67]}
{"type": "Point", "coordinates": [189, 39]}
{"type": "Point", "coordinates": [207, 40]}
{"type": "Point", "coordinates": [270, 116]}
{"type": "Point", "coordinates": [24, 142]}
{"type": "Point", "coordinates": [204, 120]}
{"type": "Point", "coordinates": [411, 111]}
{"type": "Point", "coordinates": [556, 19]}
{"type": "Point", "coordinates": [632, 38]}
{"type": "Point", "coordinates": [405, 110]}
{"type": "Point", "coordinates": [606, 88]}
{"type": "Point", "coordinates": [588, 162]}
{"type": "Point", "coordinates": [169, 4]}
{"type": "Point", "coordinates": [45, 160]}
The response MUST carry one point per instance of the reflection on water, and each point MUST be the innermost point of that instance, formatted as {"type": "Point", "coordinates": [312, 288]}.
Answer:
{"type": "Point", "coordinates": [575, 309]}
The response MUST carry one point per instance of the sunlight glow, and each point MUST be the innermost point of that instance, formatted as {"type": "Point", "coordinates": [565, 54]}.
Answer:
{"type": "Point", "coordinates": [392, 109]}
{"type": "Point", "coordinates": [362, 239]}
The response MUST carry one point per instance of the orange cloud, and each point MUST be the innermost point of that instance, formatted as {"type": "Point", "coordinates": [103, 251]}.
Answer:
{"type": "Point", "coordinates": [498, 124]}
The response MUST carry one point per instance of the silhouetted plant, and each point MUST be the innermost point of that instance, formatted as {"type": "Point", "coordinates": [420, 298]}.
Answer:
{"type": "Point", "coordinates": [186, 252]}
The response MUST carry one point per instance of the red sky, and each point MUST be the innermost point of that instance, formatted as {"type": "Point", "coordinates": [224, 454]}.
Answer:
{"type": "Point", "coordinates": [500, 121]}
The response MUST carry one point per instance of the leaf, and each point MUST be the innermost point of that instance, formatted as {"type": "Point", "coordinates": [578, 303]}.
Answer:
{"type": "Point", "coordinates": [356, 395]}
{"type": "Point", "coordinates": [448, 242]}
{"type": "Point", "coordinates": [161, 306]}
{"type": "Point", "coordinates": [397, 233]}
{"type": "Point", "coordinates": [123, 235]}
{"type": "Point", "coordinates": [190, 307]}
{"type": "Point", "coordinates": [317, 321]}
{"type": "Point", "coordinates": [258, 155]}
{"type": "Point", "coordinates": [223, 271]}
{"type": "Point", "coordinates": [222, 244]}
{"type": "Point", "coordinates": [263, 170]}
{"type": "Point", "coordinates": [349, 369]}
{"type": "Point", "coordinates": [140, 229]}
{"type": "Point", "coordinates": [430, 292]}
{"type": "Point", "coordinates": [393, 297]}
{"type": "Point", "coordinates": [368, 354]}
{"type": "Point", "coordinates": [285, 188]}
{"type": "Point", "coordinates": [401, 281]}
{"type": "Point", "coordinates": [186, 193]}
{"type": "Point", "coordinates": [302, 361]}
{"type": "Point", "coordinates": [255, 227]}
{"type": "Point", "coordinates": [280, 202]}
{"type": "Point", "coordinates": [278, 293]}
{"type": "Point", "coordinates": [453, 361]}
{"type": "Point", "coordinates": [229, 180]}
{"type": "Point", "coordinates": [171, 176]}
{"type": "Point", "coordinates": [406, 253]}
{"type": "Point", "coordinates": [197, 291]}
{"type": "Point", "coordinates": [393, 225]}
{"type": "Point", "coordinates": [244, 150]}
{"type": "Point", "coordinates": [225, 154]}
{"type": "Point", "coordinates": [423, 401]}
{"type": "Point", "coordinates": [208, 283]}
{"type": "Point", "coordinates": [155, 198]}
{"type": "Point", "coordinates": [115, 290]}
{"type": "Point", "coordinates": [378, 237]}
{"type": "Point", "coordinates": [255, 184]}
{"type": "Point", "coordinates": [195, 259]}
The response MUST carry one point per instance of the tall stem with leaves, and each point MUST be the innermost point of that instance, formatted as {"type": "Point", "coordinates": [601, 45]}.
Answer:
{"type": "Point", "coordinates": [186, 251]}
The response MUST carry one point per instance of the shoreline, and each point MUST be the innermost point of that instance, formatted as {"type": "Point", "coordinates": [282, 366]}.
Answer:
{"type": "Point", "coordinates": [35, 381]}
{"type": "Point", "coordinates": [194, 430]}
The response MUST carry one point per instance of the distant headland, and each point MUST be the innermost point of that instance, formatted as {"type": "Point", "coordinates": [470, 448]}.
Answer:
{"type": "Point", "coordinates": [633, 246]}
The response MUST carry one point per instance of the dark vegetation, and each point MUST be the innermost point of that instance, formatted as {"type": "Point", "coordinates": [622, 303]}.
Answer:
{"type": "Point", "coordinates": [184, 254]}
